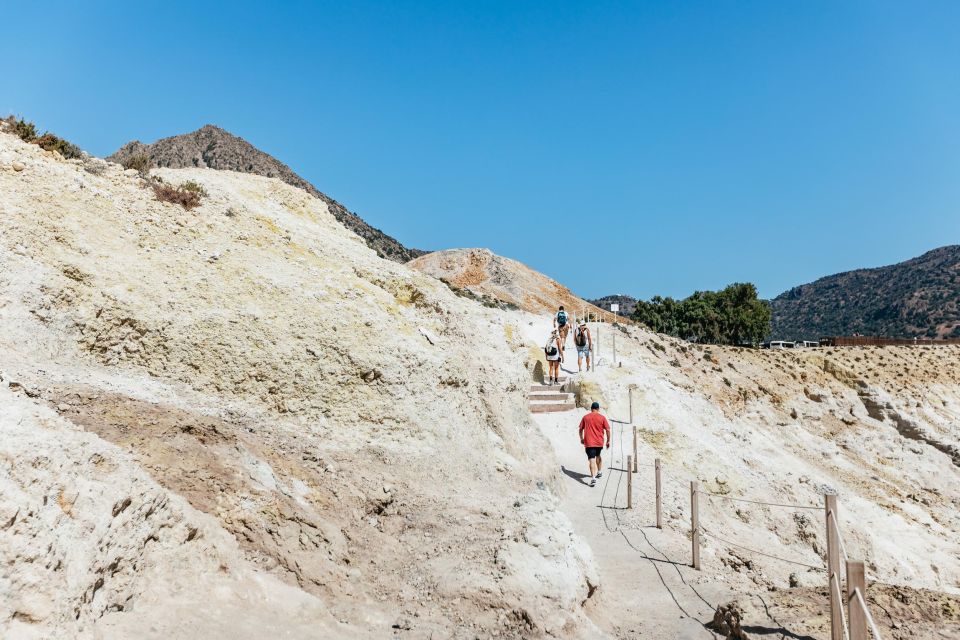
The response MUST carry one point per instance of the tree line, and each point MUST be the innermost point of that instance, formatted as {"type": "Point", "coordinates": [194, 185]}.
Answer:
{"type": "Point", "coordinates": [735, 315]}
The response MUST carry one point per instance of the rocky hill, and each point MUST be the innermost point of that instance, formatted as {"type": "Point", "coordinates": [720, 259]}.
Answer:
{"type": "Point", "coordinates": [626, 303]}
{"type": "Point", "coordinates": [916, 298]}
{"type": "Point", "coordinates": [491, 277]}
{"type": "Point", "coordinates": [214, 148]}
{"type": "Point", "coordinates": [243, 401]}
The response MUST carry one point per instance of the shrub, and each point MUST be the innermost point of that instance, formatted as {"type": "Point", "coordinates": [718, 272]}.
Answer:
{"type": "Point", "coordinates": [24, 130]}
{"type": "Point", "coordinates": [50, 142]}
{"type": "Point", "coordinates": [194, 187]}
{"type": "Point", "coordinates": [734, 315]}
{"type": "Point", "coordinates": [139, 161]}
{"type": "Point", "coordinates": [176, 195]}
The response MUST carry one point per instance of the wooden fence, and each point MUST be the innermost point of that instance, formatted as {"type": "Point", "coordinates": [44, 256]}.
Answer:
{"type": "Point", "coordinates": [850, 617]}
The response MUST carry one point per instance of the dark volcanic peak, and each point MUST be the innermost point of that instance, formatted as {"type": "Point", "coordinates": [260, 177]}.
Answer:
{"type": "Point", "coordinates": [211, 146]}
{"type": "Point", "coordinates": [916, 298]}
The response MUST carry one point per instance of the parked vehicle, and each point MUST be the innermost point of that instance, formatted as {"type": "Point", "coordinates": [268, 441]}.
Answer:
{"type": "Point", "coordinates": [778, 344]}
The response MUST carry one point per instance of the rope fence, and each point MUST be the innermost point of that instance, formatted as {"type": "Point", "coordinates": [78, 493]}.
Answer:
{"type": "Point", "coordinates": [866, 612]}
{"type": "Point", "coordinates": [850, 619]}
{"type": "Point", "coordinates": [760, 553]}
{"type": "Point", "coordinates": [835, 587]}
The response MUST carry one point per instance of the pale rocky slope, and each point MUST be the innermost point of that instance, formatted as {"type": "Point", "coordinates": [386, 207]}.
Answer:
{"type": "Point", "coordinates": [492, 277]}
{"type": "Point", "coordinates": [239, 418]}
{"type": "Point", "coordinates": [213, 411]}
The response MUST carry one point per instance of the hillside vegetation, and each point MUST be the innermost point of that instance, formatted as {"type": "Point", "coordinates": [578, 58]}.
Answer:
{"type": "Point", "coordinates": [212, 147]}
{"type": "Point", "coordinates": [734, 315]}
{"type": "Point", "coordinates": [916, 298]}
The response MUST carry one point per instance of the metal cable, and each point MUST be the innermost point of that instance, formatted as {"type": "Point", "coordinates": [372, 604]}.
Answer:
{"type": "Point", "coordinates": [739, 546]}
{"type": "Point", "coordinates": [866, 612]}
{"type": "Point", "coordinates": [835, 583]}
{"type": "Point", "coordinates": [766, 504]}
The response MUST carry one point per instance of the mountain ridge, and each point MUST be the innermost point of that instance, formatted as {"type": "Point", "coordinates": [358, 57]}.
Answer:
{"type": "Point", "coordinates": [919, 297]}
{"type": "Point", "coordinates": [213, 147]}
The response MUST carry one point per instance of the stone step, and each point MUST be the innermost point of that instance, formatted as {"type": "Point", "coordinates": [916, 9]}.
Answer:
{"type": "Point", "coordinates": [551, 407]}
{"type": "Point", "coordinates": [550, 395]}
{"type": "Point", "coordinates": [540, 387]}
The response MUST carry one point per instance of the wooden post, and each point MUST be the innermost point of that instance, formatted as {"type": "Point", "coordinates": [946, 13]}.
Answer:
{"type": "Point", "coordinates": [656, 467]}
{"type": "Point", "coordinates": [634, 469]}
{"type": "Point", "coordinates": [833, 566]}
{"type": "Point", "coordinates": [630, 399]}
{"type": "Point", "coordinates": [695, 524]}
{"type": "Point", "coordinates": [629, 482]}
{"type": "Point", "coordinates": [857, 619]}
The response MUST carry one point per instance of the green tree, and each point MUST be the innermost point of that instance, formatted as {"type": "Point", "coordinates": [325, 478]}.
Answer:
{"type": "Point", "coordinates": [734, 315]}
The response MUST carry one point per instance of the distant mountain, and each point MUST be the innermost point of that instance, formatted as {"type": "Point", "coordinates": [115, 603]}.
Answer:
{"type": "Point", "coordinates": [212, 147]}
{"type": "Point", "coordinates": [916, 298]}
{"type": "Point", "coordinates": [626, 303]}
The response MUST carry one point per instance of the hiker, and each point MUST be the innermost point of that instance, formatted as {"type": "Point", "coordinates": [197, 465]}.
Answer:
{"type": "Point", "coordinates": [592, 427]}
{"type": "Point", "coordinates": [584, 344]}
{"type": "Point", "coordinates": [560, 324]}
{"type": "Point", "coordinates": [554, 352]}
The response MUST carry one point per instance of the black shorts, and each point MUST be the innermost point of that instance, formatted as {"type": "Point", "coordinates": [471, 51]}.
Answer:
{"type": "Point", "coordinates": [593, 452]}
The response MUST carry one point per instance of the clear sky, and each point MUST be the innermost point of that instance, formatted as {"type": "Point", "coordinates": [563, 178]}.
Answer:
{"type": "Point", "coordinates": [640, 148]}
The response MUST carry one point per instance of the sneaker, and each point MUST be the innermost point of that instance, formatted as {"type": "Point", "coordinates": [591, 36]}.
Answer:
{"type": "Point", "coordinates": [593, 482]}
{"type": "Point", "coordinates": [599, 473]}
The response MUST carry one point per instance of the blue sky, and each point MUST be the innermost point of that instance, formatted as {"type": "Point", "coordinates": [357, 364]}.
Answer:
{"type": "Point", "coordinates": [639, 148]}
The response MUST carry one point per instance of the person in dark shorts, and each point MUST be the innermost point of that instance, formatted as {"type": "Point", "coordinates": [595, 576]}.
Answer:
{"type": "Point", "coordinates": [593, 426]}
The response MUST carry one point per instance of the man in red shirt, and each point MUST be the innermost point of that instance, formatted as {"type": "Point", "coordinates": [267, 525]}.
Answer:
{"type": "Point", "coordinates": [592, 427]}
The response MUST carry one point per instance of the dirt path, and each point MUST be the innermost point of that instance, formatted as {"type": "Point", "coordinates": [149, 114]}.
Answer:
{"type": "Point", "coordinates": [646, 588]}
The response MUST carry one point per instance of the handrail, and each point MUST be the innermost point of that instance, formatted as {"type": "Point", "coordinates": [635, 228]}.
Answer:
{"type": "Point", "coordinates": [834, 576]}
{"type": "Point", "coordinates": [835, 585]}
{"type": "Point", "coordinates": [866, 612]}
{"type": "Point", "coordinates": [836, 527]}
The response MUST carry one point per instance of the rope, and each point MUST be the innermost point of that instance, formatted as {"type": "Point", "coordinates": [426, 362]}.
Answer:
{"type": "Point", "coordinates": [734, 544]}
{"type": "Point", "coordinates": [835, 587]}
{"type": "Point", "coordinates": [836, 527]}
{"type": "Point", "coordinates": [866, 612]}
{"type": "Point", "coordinates": [766, 504]}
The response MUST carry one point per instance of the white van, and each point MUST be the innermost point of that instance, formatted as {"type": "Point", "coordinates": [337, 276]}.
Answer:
{"type": "Point", "coordinates": [781, 344]}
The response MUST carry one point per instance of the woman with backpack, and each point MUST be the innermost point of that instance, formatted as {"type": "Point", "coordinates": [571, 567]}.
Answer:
{"type": "Point", "coordinates": [554, 352]}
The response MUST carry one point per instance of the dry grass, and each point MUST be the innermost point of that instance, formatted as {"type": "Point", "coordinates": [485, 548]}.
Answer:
{"type": "Point", "coordinates": [176, 195]}
{"type": "Point", "coordinates": [141, 162]}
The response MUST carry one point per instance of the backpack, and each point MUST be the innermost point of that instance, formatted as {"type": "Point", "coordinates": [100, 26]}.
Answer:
{"type": "Point", "coordinates": [562, 318]}
{"type": "Point", "coordinates": [550, 348]}
{"type": "Point", "coordinates": [580, 337]}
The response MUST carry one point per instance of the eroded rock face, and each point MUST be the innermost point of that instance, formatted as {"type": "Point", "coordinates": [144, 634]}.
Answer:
{"type": "Point", "coordinates": [355, 429]}
{"type": "Point", "coordinates": [89, 543]}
